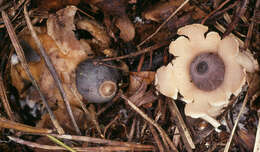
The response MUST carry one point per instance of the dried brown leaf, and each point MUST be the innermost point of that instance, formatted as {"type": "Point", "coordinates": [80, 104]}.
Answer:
{"type": "Point", "coordinates": [96, 30]}
{"type": "Point", "coordinates": [55, 4]}
{"type": "Point", "coordinates": [127, 29]}
{"type": "Point", "coordinates": [60, 27]}
{"type": "Point", "coordinates": [254, 90]}
{"type": "Point", "coordinates": [161, 10]}
{"type": "Point", "coordinates": [248, 138]}
{"type": "Point", "coordinates": [147, 76]}
{"type": "Point", "coordinates": [117, 9]}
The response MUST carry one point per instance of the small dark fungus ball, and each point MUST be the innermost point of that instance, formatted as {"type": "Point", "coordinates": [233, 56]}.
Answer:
{"type": "Point", "coordinates": [97, 83]}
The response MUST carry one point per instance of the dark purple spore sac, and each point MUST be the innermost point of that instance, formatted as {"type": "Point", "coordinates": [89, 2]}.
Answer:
{"type": "Point", "coordinates": [207, 71]}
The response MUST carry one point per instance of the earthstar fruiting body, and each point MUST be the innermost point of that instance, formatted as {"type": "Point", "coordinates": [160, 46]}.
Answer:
{"type": "Point", "coordinates": [97, 83]}
{"type": "Point", "coordinates": [205, 71]}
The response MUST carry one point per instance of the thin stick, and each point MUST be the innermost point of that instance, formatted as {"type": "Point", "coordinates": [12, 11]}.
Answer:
{"type": "Point", "coordinates": [235, 126]}
{"type": "Point", "coordinates": [83, 12]}
{"type": "Point", "coordinates": [20, 54]}
{"type": "Point", "coordinates": [156, 138]}
{"type": "Point", "coordinates": [4, 123]}
{"type": "Point", "coordinates": [51, 69]}
{"type": "Point", "coordinates": [151, 48]}
{"type": "Point", "coordinates": [103, 141]}
{"type": "Point", "coordinates": [151, 121]}
{"type": "Point", "coordinates": [186, 137]}
{"type": "Point", "coordinates": [84, 149]}
{"type": "Point", "coordinates": [132, 130]}
{"type": "Point", "coordinates": [257, 138]}
{"type": "Point", "coordinates": [213, 12]}
{"type": "Point", "coordinates": [251, 26]}
{"type": "Point", "coordinates": [166, 21]}
{"type": "Point", "coordinates": [236, 17]}
{"type": "Point", "coordinates": [4, 98]}
{"type": "Point", "coordinates": [140, 64]}
{"type": "Point", "coordinates": [221, 12]}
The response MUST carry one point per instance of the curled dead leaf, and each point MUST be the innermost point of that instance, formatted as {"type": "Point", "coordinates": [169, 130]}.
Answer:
{"type": "Point", "coordinates": [117, 9]}
{"type": "Point", "coordinates": [127, 29]}
{"type": "Point", "coordinates": [253, 81]}
{"type": "Point", "coordinates": [96, 30]}
{"type": "Point", "coordinates": [137, 90]}
{"type": "Point", "coordinates": [160, 11]}
{"type": "Point", "coordinates": [61, 28]}
{"type": "Point", "coordinates": [55, 4]}
{"type": "Point", "coordinates": [247, 138]}
{"type": "Point", "coordinates": [147, 76]}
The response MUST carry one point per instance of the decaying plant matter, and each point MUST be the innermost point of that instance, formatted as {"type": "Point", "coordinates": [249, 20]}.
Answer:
{"type": "Point", "coordinates": [111, 75]}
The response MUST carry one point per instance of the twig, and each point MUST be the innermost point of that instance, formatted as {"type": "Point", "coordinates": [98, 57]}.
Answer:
{"type": "Point", "coordinates": [257, 138]}
{"type": "Point", "coordinates": [151, 121]}
{"type": "Point", "coordinates": [251, 26]}
{"type": "Point", "coordinates": [110, 124]}
{"type": "Point", "coordinates": [211, 13]}
{"type": "Point", "coordinates": [4, 98]}
{"type": "Point", "coordinates": [222, 29]}
{"type": "Point", "coordinates": [235, 125]}
{"type": "Point", "coordinates": [221, 12]}
{"type": "Point", "coordinates": [88, 149]}
{"type": "Point", "coordinates": [20, 54]}
{"type": "Point", "coordinates": [236, 17]}
{"type": "Point", "coordinates": [151, 48]}
{"type": "Point", "coordinates": [200, 6]}
{"type": "Point", "coordinates": [21, 127]}
{"type": "Point", "coordinates": [186, 137]}
{"type": "Point", "coordinates": [51, 68]}
{"type": "Point", "coordinates": [83, 12]}
{"type": "Point", "coordinates": [103, 141]}
{"type": "Point", "coordinates": [140, 64]}
{"type": "Point", "coordinates": [109, 104]}
{"type": "Point", "coordinates": [166, 21]}
{"type": "Point", "coordinates": [132, 130]}
{"type": "Point", "coordinates": [156, 138]}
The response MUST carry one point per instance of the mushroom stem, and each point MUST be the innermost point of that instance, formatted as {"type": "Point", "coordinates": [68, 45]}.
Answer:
{"type": "Point", "coordinates": [211, 120]}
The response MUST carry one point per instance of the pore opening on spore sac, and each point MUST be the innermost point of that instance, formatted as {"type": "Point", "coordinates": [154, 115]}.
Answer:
{"type": "Point", "coordinates": [108, 89]}
{"type": "Point", "coordinates": [202, 67]}
{"type": "Point", "coordinates": [207, 71]}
